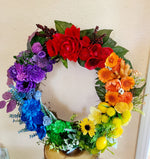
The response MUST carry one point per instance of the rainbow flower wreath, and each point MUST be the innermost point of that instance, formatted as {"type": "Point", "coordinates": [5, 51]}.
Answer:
{"type": "Point", "coordinates": [118, 86]}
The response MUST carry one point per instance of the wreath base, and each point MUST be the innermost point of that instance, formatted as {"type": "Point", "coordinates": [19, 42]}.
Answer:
{"type": "Point", "coordinates": [77, 154]}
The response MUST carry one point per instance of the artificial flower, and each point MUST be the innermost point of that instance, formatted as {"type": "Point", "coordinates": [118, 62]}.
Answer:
{"type": "Point", "coordinates": [130, 106]}
{"type": "Point", "coordinates": [113, 85]}
{"type": "Point", "coordinates": [126, 116]}
{"type": "Point", "coordinates": [87, 126]}
{"type": "Point", "coordinates": [105, 75]}
{"type": "Point", "coordinates": [117, 132]}
{"type": "Point", "coordinates": [41, 54]}
{"type": "Point", "coordinates": [36, 47]}
{"type": "Point", "coordinates": [121, 107]}
{"type": "Point", "coordinates": [102, 106]}
{"type": "Point", "coordinates": [111, 111]}
{"type": "Point", "coordinates": [127, 83]}
{"type": "Point", "coordinates": [126, 97]}
{"type": "Point", "coordinates": [112, 98]}
{"type": "Point", "coordinates": [112, 60]}
{"type": "Point", "coordinates": [95, 115]}
{"type": "Point", "coordinates": [117, 122]}
{"type": "Point", "coordinates": [105, 118]}
{"type": "Point", "coordinates": [35, 73]}
{"type": "Point", "coordinates": [101, 143]}
{"type": "Point", "coordinates": [23, 86]}
{"type": "Point", "coordinates": [58, 127]}
{"type": "Point", "coordinates": [47, 120]}
{"type": "Point", "coordinates": [41, 132]}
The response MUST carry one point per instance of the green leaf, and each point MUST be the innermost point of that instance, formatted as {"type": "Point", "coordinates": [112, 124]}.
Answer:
{"type": "Point", "coordinates": [120, 51]}
{"type": "Point", "coordinates": [109, 43]}
{"type": "Point", "coordinates": [88, 32]}
{"type": "Point", "coordinates": [65, 62]}
{"type": "Point", "coordinates": [81, 63]}
{"type": "Point", "coordinates": [138, 110]}
{"type": "Point", "coordinates": [137, 91]}
{"type": "Point", "coordinates": [39, 39]}
{"type": "Point", "coordinates": [104, 31]}
{"type": "Point", "coordinates": [128, 62]}
{"type": "Point", "coordinates": [61, 26]}
{"type": "Point", "coordinates": [100, 90]}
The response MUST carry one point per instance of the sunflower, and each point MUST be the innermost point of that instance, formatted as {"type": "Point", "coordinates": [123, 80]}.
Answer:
{"type": "Point", "coordinates": [95, 115]}
{"type": "Point", "coordinates": [105, 75]}
{"type": "Point", "coordinates": [112, 98]}
{"type": "Point", "coordinates": [112, 60]}
{"type": "Point", "coordinates": [127, 83]}
{"type": "Point", "coordinates": [87, 126]}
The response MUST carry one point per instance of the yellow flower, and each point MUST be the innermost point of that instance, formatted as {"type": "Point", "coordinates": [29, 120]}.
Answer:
{"type": "Point", "coordinates": [126, 116]}
{"type": "Point", "coordinates": [117, 132]}
{"type": "Point", "coordinates": [111, 112]}
{"type": "Point", "coordinates": [121, 107]}
{"type": "Point", "coordinates": [87, 126]}
{"type": "Point", "coordinates": [105, 119]}
{"type": "Point", "coordinates": [103, 106]}
{"type": "Point", "coordinates": [117, 122]}
{"type": "Point", "coordinates": [101, 143]}
{"type": "Point", "coordinates": [95, 115]}
{"type": "Point", "coordinates": [130, 106]}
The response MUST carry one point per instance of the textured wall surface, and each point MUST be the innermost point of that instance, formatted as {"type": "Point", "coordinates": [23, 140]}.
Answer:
{"type": "Point", "coordinates": [72, 90]}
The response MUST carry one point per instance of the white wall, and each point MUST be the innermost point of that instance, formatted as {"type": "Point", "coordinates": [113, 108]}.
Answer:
{"type": "Point", "coordinates": [130, 21]}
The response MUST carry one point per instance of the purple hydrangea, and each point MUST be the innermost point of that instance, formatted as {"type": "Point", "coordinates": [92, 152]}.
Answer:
{"type": "Point", "coordinates": [36, 47]}
{"type": "Point", "coordinates": [23, 86]}
{"type": "Point", "coordinates": [35, 73]}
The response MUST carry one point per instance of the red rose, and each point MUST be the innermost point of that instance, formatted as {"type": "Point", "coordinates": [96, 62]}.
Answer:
{"type": "Point", "coordinates": [85, 52]}
{"type": "Point", "coordinates": [52, 48]}
{"type": "Point", "coordinates": [69, 43]}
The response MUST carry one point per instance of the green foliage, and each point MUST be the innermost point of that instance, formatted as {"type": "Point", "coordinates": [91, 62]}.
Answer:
{"type": "Point", "coordinates": [109, 43]}
{"type": "Point", "coordinates": [39, 39]}
{"type": "Point", "coordinates": [138, 91]}
{"type": "Point", "coordinates": [107, 32]}
{"type": "Point", "coordinates": [48, 113]}
{"type": "Point", "coordinates": [81, 63]}
{"type": "Point", "coordinates": [65, 62]}
{"type": "Point", "coordinates": [25, 58]}
{"type": "Point", "coordinates": [61, 26]}
{"type": "Point", "coordinates": [88, 32]}
{"type": "Point", "coordinates": [120, 51]}
{"type": "Point", "coordinates": [128, 62]}
{"type": "Point", "coordinates": [100, 90]}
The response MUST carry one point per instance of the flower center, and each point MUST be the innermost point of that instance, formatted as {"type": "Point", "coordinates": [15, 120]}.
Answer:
{"type": "Point", "coordinates": [87, 127]}
{"type": "Point", "coordinates": [25, 84]}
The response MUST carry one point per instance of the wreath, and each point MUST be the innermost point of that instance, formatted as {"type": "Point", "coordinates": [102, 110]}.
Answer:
{"type": "Point", "coordinates": [118, 87]}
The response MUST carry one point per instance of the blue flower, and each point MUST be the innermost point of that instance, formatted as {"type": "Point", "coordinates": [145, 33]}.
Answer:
{"type": "Point", "coordinates": [31, 107]}
{"type": "Point", "coordinates": [47, 121]}
{"type": "Point", "coordinates": [38, 119]}
{"type": "Point", "coordinates": [37, 95]}
{"type": "Point", "coordinates": [41, 132]}
{"type": "Point", "coordinates": [31, 126]}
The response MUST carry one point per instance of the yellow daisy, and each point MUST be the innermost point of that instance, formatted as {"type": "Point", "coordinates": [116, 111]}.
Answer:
{"type": "Point", "coordinates": [95, 115]}
{"type": "Point", "coordinates": [121, 107]}
{"type": "Point", "coordinates": [87, 126]}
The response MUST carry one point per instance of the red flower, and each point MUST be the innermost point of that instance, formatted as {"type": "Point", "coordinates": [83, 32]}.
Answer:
{"type": "Point", "coordinates": [52, 47]}
{"type": "Point", "coordinates": [97, 57]}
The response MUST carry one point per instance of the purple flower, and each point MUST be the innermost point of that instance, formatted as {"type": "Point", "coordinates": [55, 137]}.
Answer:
{"type": "Point", "coordinates": [36, 47]}
{"type": "Point", "coordinates": [12, 73]}
{"type": "Point", "coordinates": [41, 54]}
{"type": "Point", "coordinates": [48, 68]}
{"type": "Point", "coordinates": [23, 86]}
{"type": "Point", "coordinates": [35, 73]}
{"type": "Point", "coordinates": [21, 72]}
{"type": "Point", "coordinates": [7, 95]}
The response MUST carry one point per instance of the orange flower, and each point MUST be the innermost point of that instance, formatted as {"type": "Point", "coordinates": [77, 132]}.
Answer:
{"type": "Point", "coordinates": [113, 85]}
{"type": "Point", "coordinates": [127, 83]}
{"type": "Point", "coordinates": [126, 97]}
{"type": "Point", "coordinates": [105, 75]}
{"type": "Point", "coordinates": [112, 98]}
{"type": "Point", "coordinates": [112, 60]}
{"type": "Point", "coordinates": [116, 68]}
